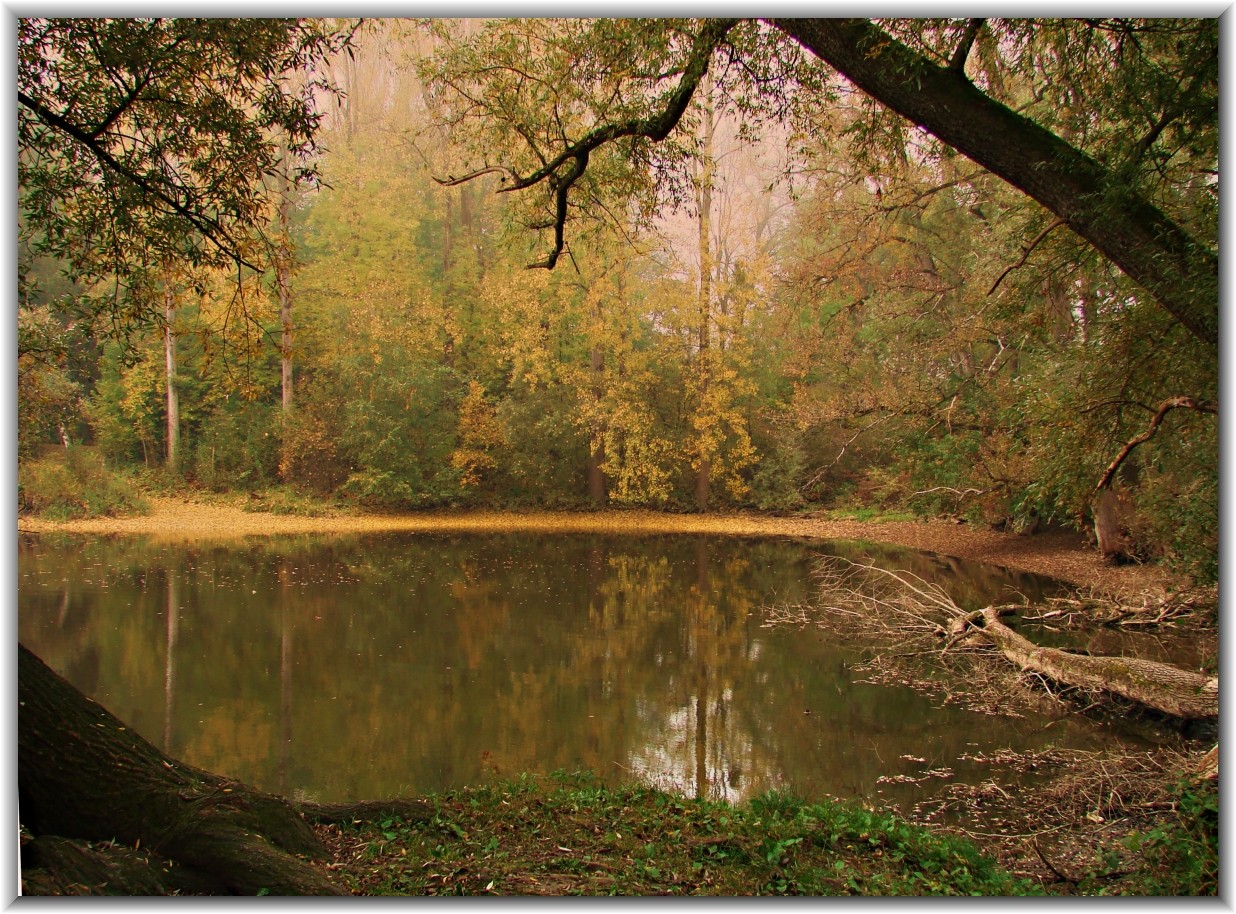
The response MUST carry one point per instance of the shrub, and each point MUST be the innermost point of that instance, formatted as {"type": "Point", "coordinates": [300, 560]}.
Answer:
{"type": "Point", "coordinates": [1182, 854]}
{"type": "Point", "coordinates": [237, 449]}
{"type": "Point", "coordinates": [75, 484]}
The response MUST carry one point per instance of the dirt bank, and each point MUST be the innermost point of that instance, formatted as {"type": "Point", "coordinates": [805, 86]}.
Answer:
{"type": "Point", "coordinates": [1064, 556]}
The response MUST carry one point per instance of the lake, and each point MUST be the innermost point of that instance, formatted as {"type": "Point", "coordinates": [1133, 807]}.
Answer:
{"type": "Point", "coordinates": [352, 667]}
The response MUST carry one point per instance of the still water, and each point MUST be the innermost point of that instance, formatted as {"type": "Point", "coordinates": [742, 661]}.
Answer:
{"type": "Point", "coordinates": [358, 667]}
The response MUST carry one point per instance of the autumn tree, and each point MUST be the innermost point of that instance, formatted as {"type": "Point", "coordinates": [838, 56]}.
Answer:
{"type": "Point", "coordinates": [1108, 125]}
{"type": "Point", "coordinates": [142, 142]}
{"type": "Point", "coordinates": [1112, 205]}
{"type": "Point", "coordinates": [958, 367]}
{"type": "Point", "coordinates": [391, 286]}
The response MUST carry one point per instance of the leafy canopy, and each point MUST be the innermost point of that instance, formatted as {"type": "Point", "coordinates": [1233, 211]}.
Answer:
{"type": "Point", "coordinates": [1120, 196]}
{"type": "Point", "coordinates": [147, 141]}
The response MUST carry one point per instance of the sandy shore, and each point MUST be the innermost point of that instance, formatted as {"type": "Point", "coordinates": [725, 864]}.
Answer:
{"type": "Point", "coordinates": [1061, 555]}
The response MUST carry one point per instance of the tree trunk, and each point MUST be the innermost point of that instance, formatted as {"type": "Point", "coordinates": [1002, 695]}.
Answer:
{"type": "Point", "coordinates": [173, 400]}
{"type": "Point", "coordinates": [703, 477]}
{"type": "Point", "coordinates": [82, 774]}
{"type": "Point", "coordinates": [1154, 251]}
{"type": "Point", "coordinates": [285, 342]}
{"type": "Point", "coordinates": [448, 299]}
{"type": "Point", "coordinates": [596, 446]}
{"type": "Point", "coordinates": [1109, 525]}
{"type": "Point", "coordinates": [1164, 688]}
{"type": "Point", "coordinates": [283, 283]}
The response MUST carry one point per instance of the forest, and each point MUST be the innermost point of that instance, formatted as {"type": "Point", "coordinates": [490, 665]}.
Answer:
{"type": "Point", "coordinates": [962, 271]}
{"type": "Point", "coordinates": [795, 301]}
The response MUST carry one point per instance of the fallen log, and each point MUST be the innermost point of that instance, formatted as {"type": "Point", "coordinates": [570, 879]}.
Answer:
{"type": "Point", "coordinates": [1160, 686]}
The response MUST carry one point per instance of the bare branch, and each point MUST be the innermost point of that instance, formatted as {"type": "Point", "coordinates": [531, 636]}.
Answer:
{"type": "Point", "coordinates": [452, 181]}
{"type": "Point", "coordinates": [1164, 408]}
{"type": "Point", "coordinates": [958, 492]}
{"type": "Point", "coordinates": [656, 127]}
{"type": "Point", "coordinates": [1026, 252]}
{"type": "Point", "coordinates": [958, 63]}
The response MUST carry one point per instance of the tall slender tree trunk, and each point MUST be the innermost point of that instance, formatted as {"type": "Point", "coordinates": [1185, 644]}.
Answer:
{"type": "Point", "coordinates": [703, 477]}
{"type": "Point", "coordinates": [596, 447]}
{"type": "Point", "coordinates": [173, 398]}
{"type": "Point", "coordinates": [285, 341]}
{"type": "Point", "coordinates": [448, 299]}
{"type": "Point", "coordinates": [597, 493]}
{"type": "Point", "coordinates": [283, 283]}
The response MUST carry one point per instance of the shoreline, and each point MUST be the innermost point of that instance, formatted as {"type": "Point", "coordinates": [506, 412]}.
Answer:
{"type": "Point", "coordinates": [1061, 555]}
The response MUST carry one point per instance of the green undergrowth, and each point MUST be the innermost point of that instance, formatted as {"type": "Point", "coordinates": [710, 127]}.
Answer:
{"type": "Point", "coordinates": [573, 835]}
{"type": "Point", "coordinates": [1179, 853]}
{"type": "Point", "coordinates": [286, 500]}
{"type": "Point", "coordinates": [73, 483]}
{"type": "Point", "coordinates": [871, 514]}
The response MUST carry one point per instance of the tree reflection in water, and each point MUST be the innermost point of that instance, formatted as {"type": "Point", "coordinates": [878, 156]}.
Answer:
{"type": "Point", "coordinates": [356, 667]}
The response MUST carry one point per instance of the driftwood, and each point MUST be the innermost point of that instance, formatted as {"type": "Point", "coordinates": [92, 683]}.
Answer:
{"type": "Point", "coordinates": [1160, 686]}
{"type": "Point", "coordinates": [899, 605]}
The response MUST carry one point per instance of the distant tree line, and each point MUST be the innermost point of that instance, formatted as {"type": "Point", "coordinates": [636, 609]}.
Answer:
{"type": "Point", "coordinates": [846, 313]}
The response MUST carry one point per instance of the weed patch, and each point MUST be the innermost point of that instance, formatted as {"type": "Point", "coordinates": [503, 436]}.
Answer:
{"type": "Point", "coordinates": [571, 835]}
{"type": "Point", "coordinates": [76, 484]}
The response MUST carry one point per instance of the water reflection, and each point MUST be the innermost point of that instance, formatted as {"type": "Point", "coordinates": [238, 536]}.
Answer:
{"type": "Point", "coordinates": [355, 667]}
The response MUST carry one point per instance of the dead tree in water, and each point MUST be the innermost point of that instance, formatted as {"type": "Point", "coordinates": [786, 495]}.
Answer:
{"type": "Point", "coordinates": [901, 606]}
{"type": "Point", "coordinates": [1159, 686]}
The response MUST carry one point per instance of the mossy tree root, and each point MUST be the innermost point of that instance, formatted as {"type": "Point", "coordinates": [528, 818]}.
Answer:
{"type": "Point", "coordinates": [84, 775]}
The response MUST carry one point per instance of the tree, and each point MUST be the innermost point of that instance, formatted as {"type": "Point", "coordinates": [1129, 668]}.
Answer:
{"type": "Point", "coordinates": [144, 141]}
{"type": "Point", "coordinates": [1098, 202]}
{"type": "Point", "coordinates": [1108, 125]}
{"type": "Point", "coordinates": [82, 774]}
{"type": "Point", "coordinates": [704, 181]}
{"type": "Point", "coordinates": [169, 355]}
{"type": "Point", "coordinates": [48, 399]}
{"type": "Point", "coordinates": [622, 108]}
{"type": "Point", "coordinates": [943, 367]}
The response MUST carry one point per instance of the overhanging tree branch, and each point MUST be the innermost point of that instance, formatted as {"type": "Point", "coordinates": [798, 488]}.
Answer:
{"type": "Point", "coordinates": [958, 62]}
{"type": "Point", "coordinates": [210, 228]}
{"type": "Point", "coordinates": [1098, 203]}
{"type": "Point", "coordinates": [1160, 414]}
{"type": "Point", "coordinates": [1181, 273]}
{"type": "Point", "coordinates": [564, 169]}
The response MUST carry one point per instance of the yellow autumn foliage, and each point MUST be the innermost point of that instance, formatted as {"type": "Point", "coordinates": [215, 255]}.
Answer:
{"type": "Point", "coordinates": [480, 433]}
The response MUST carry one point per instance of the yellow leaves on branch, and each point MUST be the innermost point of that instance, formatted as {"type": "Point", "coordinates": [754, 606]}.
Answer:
{"type": "Point", "coordinates": [527, 323]}
{"type": "Point", "coordinates": [722, 437]}
{"type": "Point", "coordinates": [637, 459]}
{"type": "Point", "coordinates": [480, 433]}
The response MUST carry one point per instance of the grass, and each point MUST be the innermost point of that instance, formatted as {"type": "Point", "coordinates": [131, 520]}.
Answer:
{"type": "Point", "coordinates": [872, 514]}
{"type": "Point", "coordinates": [289, 502]}
{"type": "Point", "coordinates": [569, 834]}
